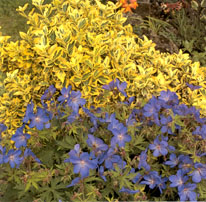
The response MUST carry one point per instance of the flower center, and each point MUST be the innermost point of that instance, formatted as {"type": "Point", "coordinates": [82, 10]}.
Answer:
{"type": "Point", "coordinates": [37, 119]}
{"type": "Point", "coordinates": [120, 137]}
{"type": "Point", "coordinates": [11, 158]}
{"type": "Point", "coordinates": [82, 162]}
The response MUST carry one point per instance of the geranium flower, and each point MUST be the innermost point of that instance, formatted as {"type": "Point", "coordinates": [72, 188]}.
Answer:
{"type": "Point", "coordinates": [29, 112]}
{"type": "Point", "coordinates": [83, 164]}
{"type": "Point", "coordinates": [65, 94]}
{"type": "Point", "coordinates": [2, 156]}
{"type": "Point", "coordinates": [152, 179]}
{"type": "Point", "coordinates": [121, 87]}
{"type": "Point", "coordinates": [75, 101]}
{"type": "Point", "coordinates": [186, 192]}
{"type": "Point", "coordinates": [120, 137]}
{"type": "Point", "coordinates": [38, 119]}
{"type": "Point", "coordinates": [199, 173]}
{"type": "Point", "coordinates": [159, 147]}
{"type": "Point", "coordinates": [20, 138]}
{"type": "Point", "coordinates": [178, 180]}
{"type": "Point", "coordinates": [48, 93]}
{"type": "Point", "coordinates": [13, 157]}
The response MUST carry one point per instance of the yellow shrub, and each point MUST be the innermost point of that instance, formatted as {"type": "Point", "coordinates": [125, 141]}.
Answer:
{"type": "Point", "coordinates": [84, 44]}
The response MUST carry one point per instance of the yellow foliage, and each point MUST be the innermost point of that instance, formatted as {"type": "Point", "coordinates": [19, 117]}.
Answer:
{"type": "Point", "coordinates": [86, 45]}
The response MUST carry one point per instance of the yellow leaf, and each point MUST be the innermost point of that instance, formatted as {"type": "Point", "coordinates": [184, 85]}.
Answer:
{"type": "Point", "coordinates": [61, 76]}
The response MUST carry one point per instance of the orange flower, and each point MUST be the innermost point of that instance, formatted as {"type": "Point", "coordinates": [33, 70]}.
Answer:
{"type": "Point", "coordinates": [132, 4]}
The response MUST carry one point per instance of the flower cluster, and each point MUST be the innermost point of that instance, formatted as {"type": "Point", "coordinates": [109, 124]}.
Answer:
{"type": "Point", "coordinates": [142, 146]}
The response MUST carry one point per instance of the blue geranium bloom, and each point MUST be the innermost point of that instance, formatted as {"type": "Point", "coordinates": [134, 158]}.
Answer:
{"type": "Point", "coordinates": [2, 156]}
{"type": "Point", "coordinates": [121, 87]}
{"type": "Point", "coordinates": [110, 87]}
{"type": "Point", "coordinates": [29, 112]}
{"type": "Point", "coordinates": [186, 192]}
{"type": "Point", "coordinates": [48, 93]}
{"type": "Point", "coordinates": [199, 173]}
{"type": "Point", "coordinates": [168, 99]}
{"type": "Point", "coordinates": [28, 152]}
{"type": "Point", "coordinates": [110, 158]}
{"type": "Point", "coordinates": [65, 94]}
{"type": "Point", "coordinates": [152, 179]}
{"type": "Point", "coordinates": [13, 157]}
{"type": "Point", "coordinates": [128, 191]}
{"type": "Point", "coordinates": [75, 101]}
{"type": "Point", "coordinates": [165, 121]}
{"type": "Point", "coordinates": [120, 137]}
{"type": "Point", "coordinates": [178, 180]}
{"type": "Point", "coordinates": [181, 110]}
{"type": "Point", "coordinates": [186, 163]}
{"type": "Point", "coordinates": [39, 119]}
{"type": "Point", "coordinates": [143, 161]}
{"type": "Point", "coordinates": [115, 124]}
{"type": "Point", "coordinates": [130, 121]}
{"type": "Point", "coordinates": [159, 147]}
{"type": "Point", "coordinates": [83, 164]}
{"type": "Point", "coordinates": [20, 138]}
{"type": "Point", "coordinates": [151, 108]}
{"type": "Point", "coordinates": [96, 143]}
{"type": "Point", "coordinates": [193, 87]}
{"type": "Point", "coordinates": [173, 161]}
{"type": "Point", "coordinates": [74, 182]}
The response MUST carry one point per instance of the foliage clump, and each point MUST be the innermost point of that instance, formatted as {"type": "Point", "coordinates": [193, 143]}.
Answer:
{"type": "Point", "coordinates": [84, 44]}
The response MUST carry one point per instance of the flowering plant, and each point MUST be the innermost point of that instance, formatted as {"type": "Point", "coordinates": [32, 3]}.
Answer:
{"type": "Point", "coordinates": [131, 150]}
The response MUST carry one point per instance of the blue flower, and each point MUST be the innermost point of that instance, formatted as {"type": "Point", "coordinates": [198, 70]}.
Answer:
{"type": "Point", "coordinates": [38, 119]}
{"type": "Point", "coordinates": [173, 161]}
{"type": "Point", "coordinates": [151, 108]}
{"type": "Point", "coordinates": [178, 180]}
{"type": "Point", "coordinates": [110, 87]}
{"type": "Point", "coordinates": [168, 99]}
{"type": "Point", "coordinates": [128, 191]}
{"type": "Point", "coordinates": [48, 93]}
{"type": "Point", "coordinates": [110, 158]}
{"type": "Point", "coordinates": [2, 156]}
{"type": "Point", "coordinates": [96, 143]}
{"type": "Point", "coordinates": [165, 121]}
{"type": "Point", "coordinates": [199, 173]}
{"type": "Point", "coordinates": [121, 87]}
{"type": "Point", "coordinates": [143, 161]}
{"type": "Point", "coordinates": [159, 147]}
{"type": "Point", "coordinates": [20, 138]}
{"type": "Point", "coordinates": [152, 179]}
{"type": "Point", "coordinates": [115, 124]}
{"type": "Point", "coordinates": [181, 110]}
{"type": "Point", "coordinates": [13, 157]}
{"type": "Point", "coordinates": [65, 94]}
{"type": "Point", "coordinates": [192, 87]}
{"type": "Point", "coordinates": [83, 164]}
{"type": "Point", "coordinates": [120, 137]}
{"type": "Point", "coordinates": [74, 182]}
{"type": "Point", "coordinates": [29, 112]}
{"type": "Point", "coordinates": [186, 192]}
{"type": "Point", "coordinates": [185, 164]}
{"type": "Point", "coordinates": [75, 101]}
{"type": "Point", "coordinates": [130, 121]}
